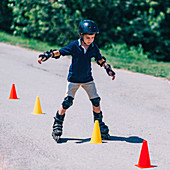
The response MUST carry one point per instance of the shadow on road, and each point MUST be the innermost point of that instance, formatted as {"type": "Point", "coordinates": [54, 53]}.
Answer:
{"type": "Point", "coordinates": [65, 140]}
{"type": "Point", "coordinates": [131, 139]}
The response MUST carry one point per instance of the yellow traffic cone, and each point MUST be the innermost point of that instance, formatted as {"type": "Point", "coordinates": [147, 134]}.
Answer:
{"type": "Point", "coordinates": [96, 136]}
{"type": "Point", "coordinates": [37, 107]}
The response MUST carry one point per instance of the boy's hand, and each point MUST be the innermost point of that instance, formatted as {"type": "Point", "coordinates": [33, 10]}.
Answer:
{"type": "Point", "coordinates": [110, 72]}
{"type": "Point", "coordinates": [40, 60]}
{"type": "Point", "coordinates": [45, 56]}
{"type": "Point", "coordinates": [113, 77]}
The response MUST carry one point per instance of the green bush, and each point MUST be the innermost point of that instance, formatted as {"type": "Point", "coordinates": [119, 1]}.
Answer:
{"type": "Point", "coordinates": [149, 27]}
{"type": "Point", "coordinates": [5, 16]}
{"type": "Point", "coordinates": [46, 21]}
{"type": "Point", "coordinates": [135, 22]}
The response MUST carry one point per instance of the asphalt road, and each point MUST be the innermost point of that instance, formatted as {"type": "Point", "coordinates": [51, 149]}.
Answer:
{"type": "Point", "coordinates": [135, 107]}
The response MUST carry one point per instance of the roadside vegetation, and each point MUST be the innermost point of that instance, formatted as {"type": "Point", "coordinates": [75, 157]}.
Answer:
{"type": "Point", "coordinates": [118, 55]}
{"type": "Point", "coordinates": [134, 34]}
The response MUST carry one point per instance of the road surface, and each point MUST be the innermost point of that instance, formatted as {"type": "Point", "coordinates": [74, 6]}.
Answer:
{"type": "Point", "coordinates": [136, 107]}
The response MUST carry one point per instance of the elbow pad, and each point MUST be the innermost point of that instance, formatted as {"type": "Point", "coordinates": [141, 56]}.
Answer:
{"type": "Point", "coordinates": [101, 64]}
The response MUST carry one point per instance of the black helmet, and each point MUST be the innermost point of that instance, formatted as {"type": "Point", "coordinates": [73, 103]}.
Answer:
{"type": "Point", "coordinates": [88, 27]}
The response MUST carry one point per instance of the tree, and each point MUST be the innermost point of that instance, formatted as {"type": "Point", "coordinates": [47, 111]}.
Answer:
{"type": "Point", "coordinates": [5, 16]}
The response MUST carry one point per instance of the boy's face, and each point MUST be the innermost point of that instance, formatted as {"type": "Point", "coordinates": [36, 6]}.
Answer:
{"type": "Point", "coordinates": [88, 38]}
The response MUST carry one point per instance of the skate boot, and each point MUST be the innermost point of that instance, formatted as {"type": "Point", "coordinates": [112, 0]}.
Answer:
{"type": "Point", "coordinates": [58, 126]}
{"type": "Point", "coordinates": [103, 128]}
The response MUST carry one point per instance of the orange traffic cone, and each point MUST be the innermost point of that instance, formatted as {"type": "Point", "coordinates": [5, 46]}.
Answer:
{"type": "Point", "coordinates": [13, 94]}
{"type": "Point", "coordinates": [144, 159]}
{"type": "Point", "coordinates": [96, 136]}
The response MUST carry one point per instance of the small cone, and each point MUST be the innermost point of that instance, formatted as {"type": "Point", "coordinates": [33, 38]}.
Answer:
{"type": "Point", "coordinates": [96, 136]}
{"type": "Point", "coordinates": [144, 159]}
{"type": "Point", "coordinates": [37, 107]}
{"type": "Point", "coordinates": [13, 94]}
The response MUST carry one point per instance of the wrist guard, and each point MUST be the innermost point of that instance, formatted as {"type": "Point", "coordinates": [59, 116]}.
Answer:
{"type": "Point", "coordinates": [52, 51]}
{"type": "Point", "coordinates": [101, 64]}
{"type": "Point", "coordinates": [109, 69]}
{"type": "Point", "coordinates": [46, 55]}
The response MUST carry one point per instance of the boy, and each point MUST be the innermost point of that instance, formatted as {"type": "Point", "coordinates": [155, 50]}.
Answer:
{"type": "Point", "coordinates": [82, 51]}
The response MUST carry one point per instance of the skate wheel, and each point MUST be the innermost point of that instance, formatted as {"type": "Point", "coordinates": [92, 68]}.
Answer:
{"type": "Point", "coordinates": [106, 136]}
{"type": "Point", "coordinates": [56, 138]}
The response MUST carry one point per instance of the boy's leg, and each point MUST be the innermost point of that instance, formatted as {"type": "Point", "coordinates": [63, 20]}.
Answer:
{"type": "Point", "coordinates": [103, 127]}
{"type": "Point", "coordinates": [95, 99]}
{"type": "Point", "coordinates": [97, 113]}
{"type": "Point", "coordinates": [96, 109]}
{"type": "Point", "coordinates": [58, 125]}
{"type": "Point", "coordinates": [61, 111]}
{"type": "Point", "coordinates": [69, 97]}
{"type": "Point", "coordinates": [59, 118]}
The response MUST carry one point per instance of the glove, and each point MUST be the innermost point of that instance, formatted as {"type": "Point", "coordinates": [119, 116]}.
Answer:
{"type": "Point", "coordinates": [109, 69]}
{"type": "Point", "coordinates": [45, 56]}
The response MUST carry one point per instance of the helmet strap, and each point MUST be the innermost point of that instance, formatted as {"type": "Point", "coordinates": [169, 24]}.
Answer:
{"type": "Point", "coordinates": [82, 39]}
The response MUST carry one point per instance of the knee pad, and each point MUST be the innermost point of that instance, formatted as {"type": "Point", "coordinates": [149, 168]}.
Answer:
{"type": "Point", "coordinates": [96, 101]}
{"type": "Point", "coordinates": [68, 101]}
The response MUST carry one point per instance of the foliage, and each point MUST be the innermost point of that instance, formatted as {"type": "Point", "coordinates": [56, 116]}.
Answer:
{"type": "Point", "coordinates": [5, 16]}
{"type": "Point", "coordinates": [46, 21]}
{"type": "Point", "coordinates": [133, 22]}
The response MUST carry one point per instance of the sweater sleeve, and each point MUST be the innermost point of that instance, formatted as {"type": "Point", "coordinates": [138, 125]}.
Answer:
{"type": "Point", "coordinates": [66, 50]}
{"type": "Point", "coordinates": [98, 54]}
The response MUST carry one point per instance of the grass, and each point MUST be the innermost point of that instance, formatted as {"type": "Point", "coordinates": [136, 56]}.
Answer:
{"type": "Point", "coordinates": [119, 56]}
{"type": "Point", "coordinates": [25, 42]}
{"type": "Point", "coordinates": [134, 59]}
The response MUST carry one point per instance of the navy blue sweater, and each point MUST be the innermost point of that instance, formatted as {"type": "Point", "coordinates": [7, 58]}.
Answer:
{"type": "Point", "coordinates": [80, 68]}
